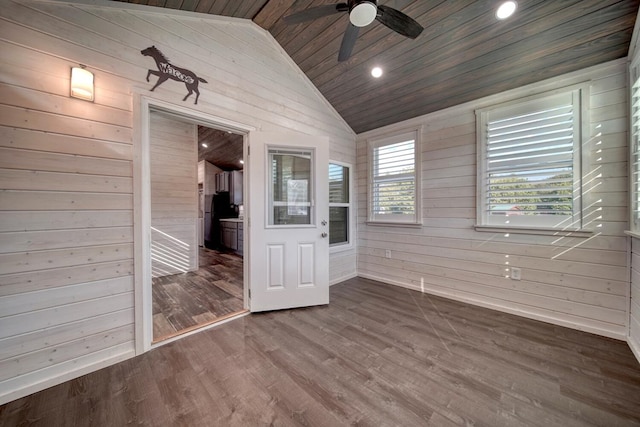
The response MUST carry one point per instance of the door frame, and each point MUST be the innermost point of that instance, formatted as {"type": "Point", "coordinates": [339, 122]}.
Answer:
{"type": "Point", "coordinates": [142, 107]}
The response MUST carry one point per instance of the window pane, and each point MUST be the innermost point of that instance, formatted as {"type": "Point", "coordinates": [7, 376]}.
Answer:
{"type": "Point", "coordinates": [393, 180]}
{"type": "Point", "coordinates": [529, 169]}
{"type": "Point", "coordinates": [394, 198]}
{"type": "Point", "coordinates": [540, 192]}
{"type": "Point", "coordinates": [338, 184]}
{"type": "Point", "coordinates": [290, 197]}
{"type": "Point", "coordinates": [338, 225]}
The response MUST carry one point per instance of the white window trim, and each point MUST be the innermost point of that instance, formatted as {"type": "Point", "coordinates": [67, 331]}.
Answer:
{"type": "Point", "coordinates": [581, 168]}
{"type": "Point", "coordinates": [341, 247]}
{"type": "Point", "coordinates": [416, 133]}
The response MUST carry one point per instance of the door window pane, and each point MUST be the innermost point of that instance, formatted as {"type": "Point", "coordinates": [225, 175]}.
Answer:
{"type": "Point", "coordinates": [290, 187]}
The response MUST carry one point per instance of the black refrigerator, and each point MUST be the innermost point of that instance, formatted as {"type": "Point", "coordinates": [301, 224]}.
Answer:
{"type": "Point", "coordinates": [220, 208]}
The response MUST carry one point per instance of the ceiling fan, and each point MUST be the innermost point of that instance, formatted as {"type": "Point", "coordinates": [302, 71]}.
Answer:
{"type": "Point", "coordinates": [361, 14]}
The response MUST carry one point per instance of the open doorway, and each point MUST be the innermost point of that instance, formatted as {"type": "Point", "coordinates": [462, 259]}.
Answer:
{"type": "Point", "coordinates": [274, 281]}
{"type": "Point", "coordinates": [196, 224]}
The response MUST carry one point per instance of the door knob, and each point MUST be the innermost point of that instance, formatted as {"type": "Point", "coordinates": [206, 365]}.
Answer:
{"type": "Point", "coordinates": [324, 234]}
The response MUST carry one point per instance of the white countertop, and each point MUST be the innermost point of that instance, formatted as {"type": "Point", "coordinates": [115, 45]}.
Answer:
{"type": "Point", "coordinates": [231, 219]}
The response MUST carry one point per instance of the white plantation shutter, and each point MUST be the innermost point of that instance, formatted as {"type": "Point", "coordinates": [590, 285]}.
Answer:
{"type": "Point", "coordinates": [635, 151]}
{"type": "Point", "coordinates": [530, 162]}
{"type": "Point", "coordinates": [393, 179]}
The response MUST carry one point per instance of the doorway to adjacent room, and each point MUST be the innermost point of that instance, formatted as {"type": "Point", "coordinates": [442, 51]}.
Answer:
{"type": "Point", "coordinates": [196, 233]}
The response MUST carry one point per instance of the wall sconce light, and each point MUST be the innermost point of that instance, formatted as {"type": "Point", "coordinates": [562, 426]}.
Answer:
{"type": "Point", "coordinates": [81, 83]}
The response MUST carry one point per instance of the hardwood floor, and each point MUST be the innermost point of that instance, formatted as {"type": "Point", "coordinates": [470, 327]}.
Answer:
{"type": "Point", "coordinates": [378, 355]}
{"type": "Point", "coordinates": [182, 302]}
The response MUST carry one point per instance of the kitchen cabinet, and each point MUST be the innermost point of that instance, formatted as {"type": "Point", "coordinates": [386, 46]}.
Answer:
{"type": "Point", "coordinates": [232, 234]}
{"type": "Point", "coordinates": [229, 234]}
{"type": "Point", "coordinates": [222, 182]}
{"type": "Point", "coordinates": [230, 181]}
{"type": "Point", "coordinates": [207, 176]}
{"type": "Point", "coordinates": [235, 187]}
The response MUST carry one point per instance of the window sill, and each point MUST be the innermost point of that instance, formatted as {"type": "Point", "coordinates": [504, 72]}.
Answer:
{"type": "Point", "coordinates": [534, 230]}
{"type": "Point", "coordinates": [340, 248]}
{"type": "Point", "coordinates": [635, 234]}
{"type": "Point", "coordinates": [394, 224]}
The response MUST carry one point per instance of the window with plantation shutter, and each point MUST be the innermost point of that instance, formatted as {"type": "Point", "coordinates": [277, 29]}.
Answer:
{"type": "Point", "coordinates": [529, 163]}
{"type": "Point", "coordinates": [393, 179]}
{"type": "Point", "coordinates": [635, 155]}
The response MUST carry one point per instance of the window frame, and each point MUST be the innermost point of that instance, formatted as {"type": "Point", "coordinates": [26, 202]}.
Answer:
{"type": "Point", "coordinates": [581, 165]}
{"type": "Point", "coordinates": [398, 136]}
{"type": "Point", "coordinates": [343, 246]}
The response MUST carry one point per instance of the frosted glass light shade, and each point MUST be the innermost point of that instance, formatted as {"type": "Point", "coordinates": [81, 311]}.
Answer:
{"type": "Point", "coordinates": [363, 14]}
{"type": "Point", "coordinates": [81, 83]}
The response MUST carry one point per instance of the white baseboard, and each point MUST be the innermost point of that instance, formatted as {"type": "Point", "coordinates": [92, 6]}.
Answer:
{"type": "Point", "coordinates": [518, 312]}
{"type": "Point", "coordinates": [343, 278]}
{"type": "Point", "coordinates": [635, 348]}
{"type": "Point", "coordinates": [24, 385]}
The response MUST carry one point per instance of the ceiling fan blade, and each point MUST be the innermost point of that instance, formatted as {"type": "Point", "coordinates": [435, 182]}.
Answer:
{"type": "Point", "coordinates": [315, 12]}
{"type": "Point", "coordinates": [348, 41]}
{"type": "Point", "coordinates": [399, 22]}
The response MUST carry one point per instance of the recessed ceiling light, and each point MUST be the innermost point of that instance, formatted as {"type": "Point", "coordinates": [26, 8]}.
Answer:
{"type": "Point", "coordinates": [241, 162]}
{"type": "Point", "coordinates": [204, 145]}
{"type": "Point", "coordinates": [506, 9]}
{"type": "Point", "coordinates": [376, 72]}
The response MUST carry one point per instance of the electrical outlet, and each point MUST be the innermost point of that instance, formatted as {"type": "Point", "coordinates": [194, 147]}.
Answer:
{"type": "Point", "coordinates": [387, 253]}
{"type": "Point", "coordinates": [516, 273]}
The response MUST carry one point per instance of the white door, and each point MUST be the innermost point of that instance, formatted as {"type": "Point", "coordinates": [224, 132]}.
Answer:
{"type": "Point", "coordinates": [288, 221]}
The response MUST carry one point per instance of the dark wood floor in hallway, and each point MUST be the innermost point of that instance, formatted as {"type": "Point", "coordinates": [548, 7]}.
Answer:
{"type": "Point", "coordinates": [183, 302]}
{"type": "Point", "coordinates": [378, 355]}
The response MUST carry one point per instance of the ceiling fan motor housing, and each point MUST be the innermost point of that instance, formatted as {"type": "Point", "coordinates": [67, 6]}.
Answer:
{"type": "Point", "coordinates": [363, 13]}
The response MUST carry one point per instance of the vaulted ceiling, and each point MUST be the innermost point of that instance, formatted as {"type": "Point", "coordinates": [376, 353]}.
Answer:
{"type": "Point", "coordinates": [464, 52]}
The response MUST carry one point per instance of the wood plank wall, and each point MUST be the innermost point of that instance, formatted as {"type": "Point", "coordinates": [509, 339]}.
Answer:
{"type": "Point", "coordinates": [173, 161]}
{"type": "Point", "coordinates": [634, 317]}
{"type": "Point", "coordinates": [633, 338]}
{"type": "Point", "coordinates": [576, 282]}
{"type": "Point", "coordinates": [66, 191]}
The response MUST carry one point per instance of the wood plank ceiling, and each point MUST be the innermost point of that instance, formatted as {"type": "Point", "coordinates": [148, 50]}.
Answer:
{"type": "Point", "coordinates": [223, 149]}
{"type": "Point", "coordinates": [463, 54]}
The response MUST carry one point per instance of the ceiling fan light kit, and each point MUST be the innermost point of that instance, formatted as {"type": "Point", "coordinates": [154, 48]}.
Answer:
{"type": "Point", "coordinates": [361, 14]}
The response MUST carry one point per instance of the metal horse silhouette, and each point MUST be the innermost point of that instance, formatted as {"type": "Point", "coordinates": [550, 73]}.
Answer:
{"type": "Point", "coordinates": [168, 71]}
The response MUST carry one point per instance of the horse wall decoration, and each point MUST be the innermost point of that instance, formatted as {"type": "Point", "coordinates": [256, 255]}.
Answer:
{"type": "Point", "coordinates": [166, 71]}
